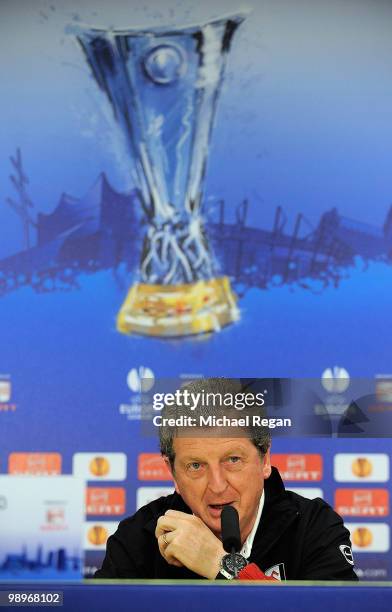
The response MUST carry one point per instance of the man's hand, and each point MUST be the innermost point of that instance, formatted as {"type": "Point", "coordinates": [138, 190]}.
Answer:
{"type": "Point", "coordinates": [190, 543]}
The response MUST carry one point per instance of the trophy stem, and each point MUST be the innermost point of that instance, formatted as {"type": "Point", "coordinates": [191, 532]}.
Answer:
{"type": "Point", "coordinates": [176, 252]}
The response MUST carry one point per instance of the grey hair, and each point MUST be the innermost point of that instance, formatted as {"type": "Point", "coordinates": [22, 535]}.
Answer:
{"type": "Point", "coordinates": [260, 436]}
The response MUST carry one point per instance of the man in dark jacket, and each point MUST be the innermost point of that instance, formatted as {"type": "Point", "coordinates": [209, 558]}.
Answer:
{"type": "Point", "coordinates": [284, 536]}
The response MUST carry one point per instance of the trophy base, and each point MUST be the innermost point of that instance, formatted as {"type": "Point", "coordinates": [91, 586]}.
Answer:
{"type": "Point", "coordinates": [178, 310]}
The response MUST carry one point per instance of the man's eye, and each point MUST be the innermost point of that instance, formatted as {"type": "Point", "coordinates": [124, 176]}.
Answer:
{"type": "Point", "coordinates": [234, 459]}
{"type": "Point", "coordinates": [194, 466]}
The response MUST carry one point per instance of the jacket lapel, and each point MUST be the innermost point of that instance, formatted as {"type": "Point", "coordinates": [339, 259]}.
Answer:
{"type": "Point", "coordinates": [278, 515]}
{"type": "Point", "coordinates": [271, 528]}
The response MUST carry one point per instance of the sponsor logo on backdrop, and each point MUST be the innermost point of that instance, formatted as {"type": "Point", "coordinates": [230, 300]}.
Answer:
{"type": "Point", "coordinates": [362, 537]}
{"type": "Point", "coordinates": [96, 534]}
{"type": "Point", "coordinates": [369, 467]}
{"type": "Point", "coordinates": [5, 390]}
{"type": "Point", "coordinates": [335, 380]}
{"type": "Point", "coordinates": [362, 502]}
{"type": "Point", "coordinates": [308, 492]}
{"type": "Point", "coordinates": [55, 516]}
{"type": "Point", "coordinates": [141, 379]}
{"type": "Point", "coordinates": [151, 466]}
{"type": "Point", "coordinates": [5, 394]}
{"type": "Point", "coordinates": [306, 467]}
{"type": "Point", "coordinates": [145, 495]}
{"type": "Point", "coordinates": [138, 380]}
{"type": "Point", "coordinates": [105, 500]}
{"type": "Point", "coordinates": [100, 466]}
{"type": "Point", "coordinates": [34, 464]}
{"type": "Point", "coordinates": [362, 467]}
{"type": "Point", "coordinates": [384, 388]}
{"type": "Point", "coordinates": [369, 537]}
{"type": "Point", "coordinates": [379, 569]}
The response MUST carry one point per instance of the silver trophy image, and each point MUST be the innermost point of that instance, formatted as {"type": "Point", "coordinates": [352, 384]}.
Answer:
{"type": "Point", "coordinates": [163, 85]}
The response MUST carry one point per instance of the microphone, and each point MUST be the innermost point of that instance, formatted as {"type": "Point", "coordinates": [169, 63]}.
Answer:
{"type": "Point", "coordinates": [230, 530]}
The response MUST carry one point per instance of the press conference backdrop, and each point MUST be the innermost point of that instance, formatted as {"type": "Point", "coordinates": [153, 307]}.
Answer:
{"type": "Point", "coordinates": [118, 264]}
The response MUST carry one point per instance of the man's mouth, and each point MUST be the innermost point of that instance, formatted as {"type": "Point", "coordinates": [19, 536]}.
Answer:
{"type": "Point", "coordinates": [216, 509]}
{"type": "Point", "coordinates": [220, 505]}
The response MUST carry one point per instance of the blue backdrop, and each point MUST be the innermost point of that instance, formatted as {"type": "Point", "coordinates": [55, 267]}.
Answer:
{"type": "Point", "coordinates": [296, 205]}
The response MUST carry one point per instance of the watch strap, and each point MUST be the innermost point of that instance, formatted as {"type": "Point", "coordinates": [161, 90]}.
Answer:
{"type": "Point", "coordinates": [223, 575]}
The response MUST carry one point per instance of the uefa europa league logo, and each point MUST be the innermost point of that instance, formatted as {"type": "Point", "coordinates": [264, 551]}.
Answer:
{"type": "Point", "coordinates": [163, 86]}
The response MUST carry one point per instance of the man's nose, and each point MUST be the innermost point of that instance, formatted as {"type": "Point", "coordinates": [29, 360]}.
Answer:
{"type": "Point", "coordinates": [217, 481]}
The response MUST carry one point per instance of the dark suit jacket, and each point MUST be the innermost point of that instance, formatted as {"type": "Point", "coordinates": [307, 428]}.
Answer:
{"type": "Point", "coordinates": [305, 539]}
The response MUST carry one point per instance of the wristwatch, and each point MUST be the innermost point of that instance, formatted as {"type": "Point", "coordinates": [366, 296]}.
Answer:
{"type": "Point", "coordinates": [227, 569]}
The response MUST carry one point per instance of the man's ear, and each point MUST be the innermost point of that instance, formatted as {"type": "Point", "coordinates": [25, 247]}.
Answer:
{"type": "Point", "coordinates": [267, 464]}
{"type": "Point", "coordinates": [169, 467]}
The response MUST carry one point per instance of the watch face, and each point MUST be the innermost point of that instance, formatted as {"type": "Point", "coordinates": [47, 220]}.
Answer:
{"type": "Point", "coordinates": [227, 563]}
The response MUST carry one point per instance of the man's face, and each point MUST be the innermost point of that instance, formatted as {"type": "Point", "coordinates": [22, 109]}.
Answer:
{"type": "Point", "coordinates": [212, 472]}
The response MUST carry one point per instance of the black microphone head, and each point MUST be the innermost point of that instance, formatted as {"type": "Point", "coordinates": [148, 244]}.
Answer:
{"type": "Point", "coordinates": [230, 528]}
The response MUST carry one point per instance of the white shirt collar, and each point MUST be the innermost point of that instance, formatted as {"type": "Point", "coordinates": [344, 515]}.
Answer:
{"type": "Point", "coordinates": [247, 546]}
